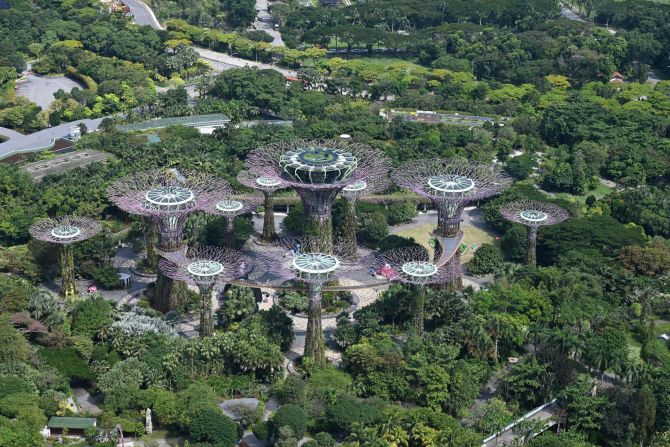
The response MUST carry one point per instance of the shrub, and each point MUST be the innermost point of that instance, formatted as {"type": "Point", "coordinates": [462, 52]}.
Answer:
{"type": "Point", "coordinates": [401, 212]}
{"type": "Point", "coordinates": [293, 301]}
{"type": "Point", "coordinates": [261, 430]}
{"type": "Point", "coordinates": [68, 363]}
{"type": "Point", "coordinates": [106, 277]}
{"type": "Point", "coordinates": [324, 439]}
{"type": "Point", "coordinates": [292, 416]}
{"type": "Point", "coordinates": [211, 425]}
{"type": "Point", "coordinates": [347, 411]}
{"type": "Point", "coordinates": [14, 385]}
{"type": "Point", "coordinates": [487, 259]}
{"type": "Point", "coordinates": [238, 304]}
{"type": "Point", "coordinates": [515, 243]}
{"type": "Point", "coordinates": [91, 315]}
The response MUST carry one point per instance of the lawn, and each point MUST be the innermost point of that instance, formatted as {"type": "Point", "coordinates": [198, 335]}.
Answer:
{"type": "Point", "coordinates": [600, 191]}
{"type": "Point", "coordinates": [473, 237]}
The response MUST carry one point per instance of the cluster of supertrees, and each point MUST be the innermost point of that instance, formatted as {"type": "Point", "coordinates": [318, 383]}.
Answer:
{"type": "Point", "coordinates": [318, 171]}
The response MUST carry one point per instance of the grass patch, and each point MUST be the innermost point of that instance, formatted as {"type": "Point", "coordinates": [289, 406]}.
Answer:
{"type": "Point", "coordinates": [473, 237]}
{"type": "Point", "coordinates": [599, 192]}
{"type": "Point", "coordinates": [68, 363]}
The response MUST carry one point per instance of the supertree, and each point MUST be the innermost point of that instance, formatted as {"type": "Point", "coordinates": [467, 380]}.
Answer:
{"type": "Point", "coordinates": [412, 266]}
{"type": "Point", "coordinates": [350, 195]}
{"type": "Point", "coordinates": [205, 267]}
{"type": "Point", "coordinates": [231, 207]}
{"type": "Point", "coordinates": [167, 196]}
{"type": "Point", "coordinates": [451, 184]}
{"type": "Point", "coordinates": [268, 186]}
{"type": "Point", "coordinates": [533, 215]}
{"type": "Point", "coordinates": [318, 171]}
{"type": "Point", "coordinates": [65, 231]}
{"type": "Point", "coordinates": [311, 261]}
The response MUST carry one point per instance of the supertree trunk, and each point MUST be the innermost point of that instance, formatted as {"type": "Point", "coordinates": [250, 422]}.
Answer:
{"type": "Point", "coordinates": [314, 343]}
{"type": "Point", "coordinates": [349, 221]}
{"type": "Point", "coordinates": [454, 264]}
{"type": "Point", "coordinates": [206, 322]}
{"type": "Point", "coordinates": [531, 253]}
{"type": "Point", "coordinates": [68, 286]}
{"type": "Point", "coordinates": [169, 294]}
{"type": "Point", "coordinates": [269, 233]}
{"type": "Point", "coordinates": [230, 233]}
{"type": "Point", "coordinates": [449, 219]}
{"type": "Point", "coordinates": [319, 214]}
{"type": "Point", "coordinates": [150, 241]}
{"type": "Point", "coordinates": [419, 308]}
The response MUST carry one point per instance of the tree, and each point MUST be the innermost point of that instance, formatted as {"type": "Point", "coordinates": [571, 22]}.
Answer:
{"type": "Point", "coordinates": [492, 417]}
{"type": "Point", "coordinates": [90, 315]}
{"type": "Point", "coordinates": [529, 383]}
{"type": "Point", "coordinates": [211, 425]}
{"type": "Point", "coordinates": [644, 414]}
{"type": "Point", "coordinates": [487, 259]}
{"type": "Point", "coordinates": [401, 212]}
{"type": "Point", "coordinates": [346, 412]}
{"type": "Point", "coordinates": [291, 416]}
{"type": "Point", "coordinates": [13, 347]}
{"type": "Point", "coordinates": [514, 243]}
{"type": "Point", "coordinates": [584, 411]}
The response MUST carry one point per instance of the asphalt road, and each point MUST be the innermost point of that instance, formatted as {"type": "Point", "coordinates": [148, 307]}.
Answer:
{"type": "Point", "coordinates": [40, 90]}
{"type": "Point", "coordinates": [142, 14]}
{"type": "Point", "coordinates": [265, 23]}
{"type": "Point", "coordinates": [221, 61]}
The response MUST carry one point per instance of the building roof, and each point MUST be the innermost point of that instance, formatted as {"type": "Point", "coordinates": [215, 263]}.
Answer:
{"type": "Point", "coordinates": [71, 422]}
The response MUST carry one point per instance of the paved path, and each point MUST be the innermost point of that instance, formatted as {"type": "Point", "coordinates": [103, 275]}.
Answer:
{"type": "Point", "coordinates": [41, 89]}
{"type": "Point", "coordinates": [10, 133]}
{"type": "Point", "coordinates": [265, 22]}
{"type": "Point", "coordinates": [86, 402]}
{"type": "Point", "coordinates": [570, 14]}
{"type": "Point", "coordinates": [509, 435]}
{"type": "Point", "coordinates": [42, 139]}
{"type": "Point", "coordinates": [221, 61]}
{"type": "Point", "coordinates": [142, 14]}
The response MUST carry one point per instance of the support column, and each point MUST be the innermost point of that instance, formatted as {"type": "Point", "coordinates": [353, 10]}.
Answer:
{"type": "Point", "coordinates": [206, 325]}
{"type": "Point", "coordinates": [150, 241]}
{"type": "Point", "coordinates": [350, 221]}
{"type": "Point", "coordinates": [68, 287]}
{"type": "Point", "coordinates": [314, 343]}
{"type": "Point", "coordinates": [169, 294]}
{"type": "Point", "coordinates": [230, 232]}
{"type": "Point", "coordinates": [318, 214]}
{"type": "Point", "coordinates": [448, 226]}
{"type": "Point", "coordinates": [419, 307]}
{"type": "Point", "coordinates": [531, 253]}
{"type": "Point", "coordinates": [269, 233]}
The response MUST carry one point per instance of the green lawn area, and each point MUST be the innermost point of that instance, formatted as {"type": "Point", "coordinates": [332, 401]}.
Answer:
{"type": "Point", "coordinates": [472, 236]}
{"type": "Point", "coordinates": [600, 191]}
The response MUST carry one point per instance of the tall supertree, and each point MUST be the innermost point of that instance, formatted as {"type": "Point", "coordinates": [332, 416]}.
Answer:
{"type": "Point", "coordinates": [205, 267]}
{"type": "Point", "coordinates": [65, 231]}
{"type": "Point", "coordinates": [412, 266]}
{"type": "Point", "coordinates": [533, 215]}
{"type": "Point", "coordinates": [351, 193]}
{"type": "Point", "coordinates": [451, 184]}
{"type": "Point", "coordinates": [314, 263]}
{"type": "Point", "coordinates": [268, 186]}
{"type": "Point", "coordinates": [318, 171]}
{"type": "Point", "coordinates": [167, 196]}
{"type": "Point", "coordinates": [231, 207]}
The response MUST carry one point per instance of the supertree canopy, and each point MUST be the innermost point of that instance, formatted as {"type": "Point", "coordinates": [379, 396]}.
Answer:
{"type": "Point", "coordinates": [205, 267]}
{"type": "Point", "coordinates": [231, 207]}
{"type": "Point", "coordinates": [412, 265]}
{"type": "Point", "coordinates": [451, 184]}
{"type": "Point", "coordinates": [318, 171]}
{"type": "Point", "coordinates": [65, 231]}
{"type": "Point", "coordinates": [268, 186]}
{"type": "Point", "coordinates": [314, 263]}
{"type": "Point", "coordinates": [168, 196]}
{"type": "Point", "coordinates": [533, 215]}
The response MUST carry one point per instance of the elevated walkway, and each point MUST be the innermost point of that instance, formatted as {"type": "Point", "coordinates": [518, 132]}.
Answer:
{"type": "Point", "coordinates": [508, 436]}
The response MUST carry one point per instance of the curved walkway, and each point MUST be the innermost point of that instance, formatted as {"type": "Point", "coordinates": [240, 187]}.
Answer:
{"type": "Point", "coordinates": [43, 139]}
{"type": "Point", "coordinates": [10, 133]}
{"type": "Point", "coordinates": [142, 14]}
